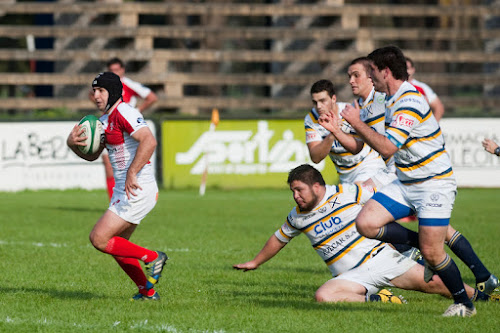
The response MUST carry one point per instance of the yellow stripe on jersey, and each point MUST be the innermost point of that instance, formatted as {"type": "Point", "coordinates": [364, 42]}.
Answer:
{"type": "Point", "coordinates": [398, 132]}
{"type": "Point", "coordinates": [375, 121]}
{"type": "Point", "coordinates": [323, 243]}
{"type": "Point", "coordinates": [284, 235]}
{"type": "Point", "coordinates": [448, 174]}
{"type": "Point", "coordinates": [349, 168]}
{"type": "Point", "coordinates": [358, 196]}
{"type": "Point", "coordinates": [346, 250]}
{"type": "Point", "coordinates": [371, 252]}
{"type": "Point", "coordinates": [415, 140]}
{"type": "Point", "coordinates": [427, 117]}
{"type": "Point", "coordinates": [421, 164]}
{"type": "Point", "coordinates": [410, 113]}
{"type": "Point", "coordinates": [313, 117]}
{"type": "Point", "coordinates": [342, 154]}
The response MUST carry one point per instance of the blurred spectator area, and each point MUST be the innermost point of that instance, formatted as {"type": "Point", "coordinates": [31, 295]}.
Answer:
{"type": "Point", "coordinates": [247, 58]}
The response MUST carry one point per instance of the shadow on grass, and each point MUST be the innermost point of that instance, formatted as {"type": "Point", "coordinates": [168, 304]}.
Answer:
{"type": "Point", "coordinates": [280, 301]}
{"type": "Point", "coordinates": [61, 294]}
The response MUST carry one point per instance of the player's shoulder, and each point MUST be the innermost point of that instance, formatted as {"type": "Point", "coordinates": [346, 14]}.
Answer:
{"type": "Point", "coordinates": [127, 111]}
{"type": "Point", "coordinates": [311, 120]}
{"type": "Point", "coordinates": [312, 116]}
{"type": "Point", "coordinates": [409, 95]}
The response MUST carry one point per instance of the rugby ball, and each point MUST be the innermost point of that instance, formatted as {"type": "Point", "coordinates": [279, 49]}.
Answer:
{"type": "Point", "coordinates": [92, 129]}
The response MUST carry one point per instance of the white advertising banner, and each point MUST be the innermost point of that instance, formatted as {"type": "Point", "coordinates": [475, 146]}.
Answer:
{"type": "Point", "coordinates": [472, 165]}
{"type": "Point", "coordinates": [34, 155]}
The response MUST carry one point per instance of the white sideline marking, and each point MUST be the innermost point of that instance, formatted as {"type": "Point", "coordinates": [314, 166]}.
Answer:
{"type": "Point", "coordinates": [39, 244]}
{"type": "Point", "coordinates": [141, 325]}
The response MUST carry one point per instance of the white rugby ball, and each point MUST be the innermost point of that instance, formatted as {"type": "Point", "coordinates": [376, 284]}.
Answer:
{"type": "Point", "coordinates": [92, 129]}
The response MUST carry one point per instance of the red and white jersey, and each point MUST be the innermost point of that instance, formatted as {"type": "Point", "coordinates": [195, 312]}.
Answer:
{"type": "Point", "coordinates": [133, 89]}
{"type": "Point", "coordinates": [424, 90]}
{"type": "Point", "coordinates": [119, 126]}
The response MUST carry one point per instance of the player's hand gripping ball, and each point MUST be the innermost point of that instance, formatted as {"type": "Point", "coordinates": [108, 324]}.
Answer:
{"type": "Point", "coordinates": [93, 130]}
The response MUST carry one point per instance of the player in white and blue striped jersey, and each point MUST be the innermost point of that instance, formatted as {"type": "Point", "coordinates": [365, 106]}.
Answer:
{"type": "Point", "coordinates": [372, 112]}
{"type": "Point", "coordinates": [425, 183]}
{"type": "Point", "coordinates": [321, 142]}
{"type": "Point", "coordinates": [360, 266]}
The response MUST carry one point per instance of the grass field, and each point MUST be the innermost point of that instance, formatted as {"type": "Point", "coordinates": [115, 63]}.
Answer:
{"type": "Point", "coordinates": [52, 280]}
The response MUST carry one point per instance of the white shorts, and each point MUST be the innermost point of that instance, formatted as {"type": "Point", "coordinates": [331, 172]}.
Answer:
{"type": "Point", "coordinates": [384, 177]}
{"type": "Point", "coordinates": [379, 271]}
{"type": "Point", "coordinates": [364, 171]}
{"type": "Point", "coordinates": [432, 199]}
{"type": "Point", "coordinates": [135, 209]}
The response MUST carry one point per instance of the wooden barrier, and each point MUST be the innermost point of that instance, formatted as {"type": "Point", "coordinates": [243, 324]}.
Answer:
{"type": "Point", "coordinates": [267, 65]}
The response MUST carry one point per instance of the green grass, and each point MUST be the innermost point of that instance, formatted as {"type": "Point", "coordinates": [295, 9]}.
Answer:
{"type": "Point", "coordinates": [52, 280]}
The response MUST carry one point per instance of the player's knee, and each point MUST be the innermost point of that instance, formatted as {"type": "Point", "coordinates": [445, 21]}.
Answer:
{"type": "Point", "coordinates": [320, 296]}
{"type": "Point", "coordinates": [98, 241]}
{"type": "Point", "coordinates": [323, 295]}
{"type": "Point", "coordinates": [432, 254]}
{"type": "Point", "coordinates": [363, 226]}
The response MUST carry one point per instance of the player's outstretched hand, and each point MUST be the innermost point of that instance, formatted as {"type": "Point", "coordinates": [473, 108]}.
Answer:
{"type": "Point", "coordinates": [489, 145]}
{"type": "Point", "coordinates": [247, 266]}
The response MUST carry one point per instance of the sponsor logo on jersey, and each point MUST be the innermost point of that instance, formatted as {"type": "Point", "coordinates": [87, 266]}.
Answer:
{"type": "Point", "coordinates": [402, 121]}
{"type": "Point", "coordinates": [327, 226]}
{"type": "Point", "coordinates": [311, 136]}
{"type": "Point", "coordinates": [339, 242]}
{"type": "Point", "coordinates": [334, 202]}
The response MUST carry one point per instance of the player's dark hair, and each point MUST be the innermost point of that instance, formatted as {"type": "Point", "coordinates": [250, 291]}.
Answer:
{"type": "Point", "coordinates": [323, 85]}
{"type": "Point", "coordinates": [306, 174]}
{"type": "Point", "coordinates": [113, 61]}
{"type": "Point", "coordinates": [112, 83]}
{"type": "Point", "coordinates": [364, 61]}
{"type": "Point", "coordinates": [390, 57]}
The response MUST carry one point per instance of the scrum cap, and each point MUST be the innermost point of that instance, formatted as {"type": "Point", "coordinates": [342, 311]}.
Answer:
{"type": "Point", "coordinates": [112, 83]}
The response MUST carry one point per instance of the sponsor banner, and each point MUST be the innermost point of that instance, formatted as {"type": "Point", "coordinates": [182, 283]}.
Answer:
{"type": "Point", "coordinates": [239, 153]}
{"type": "Point", "coordinates": [472, 165]}
{"type": "Point", "coordinates": [34, 155]}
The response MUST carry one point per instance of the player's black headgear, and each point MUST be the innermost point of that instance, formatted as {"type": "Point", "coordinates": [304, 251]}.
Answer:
{"type": "Point", "coordinates": [112, 83]}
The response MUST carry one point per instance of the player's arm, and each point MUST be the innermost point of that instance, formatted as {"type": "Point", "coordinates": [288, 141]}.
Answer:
{"type": "Point", "coordinates": [375, 140]}
{"type": "Point", "coordinates": [318, 150]}
{"type": "Point", "coordinates": [270, 249]}
{"type": "Point", "coordinates": [150, 99]}
{"type": "Point", "coordinates": [437, 108]}
{"type": "Point", "coordinates": [147, 145]}
{"type": "Point", "coordinates": [75, 140]}
{"type": "Point", "coordinates": [330, 121]}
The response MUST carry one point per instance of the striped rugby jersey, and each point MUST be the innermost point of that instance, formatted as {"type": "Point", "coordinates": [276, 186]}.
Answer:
{"type": "Point", "coordinates": [414, 130]}
{"type": "Point", "coordinates": [331, 229]}
{"type": "Point", "coordinates": [344, 161]}
{"type": "Point", "coordinates": [373, 111]}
